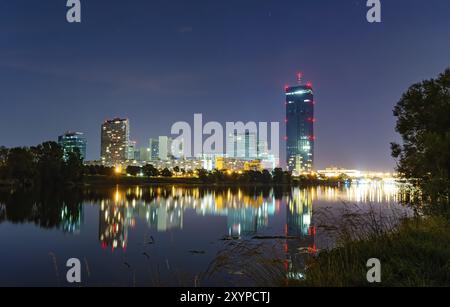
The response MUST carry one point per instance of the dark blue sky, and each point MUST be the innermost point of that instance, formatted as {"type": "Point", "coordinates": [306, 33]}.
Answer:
{"type": "Point", "coordinates": [157, 62]}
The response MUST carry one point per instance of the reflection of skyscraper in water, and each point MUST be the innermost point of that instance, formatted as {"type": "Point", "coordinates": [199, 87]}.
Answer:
{"type": "Point", "coordinates": [299, 213]}
{"type": "Point", "coordinates": [165, 215]}
{"type": "Point", "coordinates": [71, 218]}
{"type": "Point", "coordinates": [243, 221]}
{"type": "Point", "coordinates": [245, 214]}
{"type": "Point", "coordinates": [248, 220]}
{"type": "Point", "coordinates": [298, 225]}
{"type": "Point", "coordinates": [113, 225]}
{"type": "Point", "coordinates": [164, 211]}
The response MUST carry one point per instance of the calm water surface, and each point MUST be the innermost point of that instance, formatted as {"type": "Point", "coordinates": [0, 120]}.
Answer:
{"type": "Point", "coordinates": [168, 236]}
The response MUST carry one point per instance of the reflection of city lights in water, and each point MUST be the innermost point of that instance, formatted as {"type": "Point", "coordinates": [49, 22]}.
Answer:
{"type": "Point", "coordinates": [371, 192]}
{"type": "Point", "coordinates": [246, 213]}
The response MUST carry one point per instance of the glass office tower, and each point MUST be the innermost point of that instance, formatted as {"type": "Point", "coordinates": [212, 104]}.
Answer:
{"type": "Point", "coordinates": [300, 128]}
{"type": "Point", "coordinates": [242, 145]}
{"type": "Point", "coordinates": [70, 141]}
{"type": "Point", "coordinates": [154, 149]}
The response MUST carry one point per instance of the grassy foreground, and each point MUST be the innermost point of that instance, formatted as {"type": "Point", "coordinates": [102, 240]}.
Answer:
{"type": "Point", "coordinates": [416, 255]}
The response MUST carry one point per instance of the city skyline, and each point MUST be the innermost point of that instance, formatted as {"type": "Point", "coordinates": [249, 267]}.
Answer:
{"type": "Point", "coordinates": [134, 62]}
{"type": "Point", "coordinates": [227, 144]}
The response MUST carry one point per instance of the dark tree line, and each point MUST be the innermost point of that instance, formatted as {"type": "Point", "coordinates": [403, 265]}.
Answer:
{"type": "Point", "coordinates": [423, 122]}
{"type": "Point", "coordinates": [43, 209]}
{"type": "Point", "coordinates": [277, 176]}
{"type": "Point", "coordinates": [40, 166]}
{"type": "Point", "coordinates": [98, 170]}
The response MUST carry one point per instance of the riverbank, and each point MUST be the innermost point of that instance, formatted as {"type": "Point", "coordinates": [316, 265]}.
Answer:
{"type": "Point", "coordinates": [191, 181]}
{"type": "Point", "coordinates": [415, 255]}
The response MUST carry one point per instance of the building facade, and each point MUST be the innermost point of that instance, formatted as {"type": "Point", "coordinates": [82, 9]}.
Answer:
{"type": "Point", "coordinates": [154, 149]}
{"type": "Point", "coordinates": [300, 120]}
{"type": "Point", "coordinates": [165, 148]}
{"type": "Point", "coordinates": [115, 141]}
{"type": "Point", "coordinates": [242, 145]}
{"type": "Point", "coordinates": [132, 148]}
{"type": "Point", "coordinates": [72, 141]}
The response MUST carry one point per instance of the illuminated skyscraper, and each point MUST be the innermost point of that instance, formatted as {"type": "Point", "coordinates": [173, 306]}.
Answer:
{"type": "Point", "coordinates": [242, 145]}
{"type": "Point", "coordinates": [71, 141]}
{"type": "Point", "coordinates": [300, 128]}
{"type": "Point", "coordinates": [132, 147]}
{"type": "Point", "coordinates": [115, 141]}
{"type": "Point", "coordinates": [154, 149]}
{"type": "Point", "coordinates": [144, 154]}
{"type": "Point", "coordinates": [165, 148]}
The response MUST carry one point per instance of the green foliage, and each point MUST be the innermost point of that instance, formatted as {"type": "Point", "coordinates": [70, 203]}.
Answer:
{"type": "Point", "coordinates": [203, 175]}
{"type": "Point", "coordinates": [41, 166]}
{"type": "Point", "coordinates": [133, 170]}
{"type": "Point", "coordinates": [150, 171]}
{"type": "Point", "coordinates": [423, 158]}
{"type": "Point", "coordinates": [166, 173]}
{"type": "Point", "coordinates": [416, 254]}
{"type": "Point", "coordinates": [49, 157]}
{"type": "Point", "coordinates": [21, 166]}
{"type": "Point", "coordinates": [98, 170]}
{"type": "Point", "coordinates": [280, 176]}
{"type": "Point", "coordinates": [73, 169]}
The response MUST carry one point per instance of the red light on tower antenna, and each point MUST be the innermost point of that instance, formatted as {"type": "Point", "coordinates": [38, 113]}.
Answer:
{"type": "Point", "coordinates": [309, 84]}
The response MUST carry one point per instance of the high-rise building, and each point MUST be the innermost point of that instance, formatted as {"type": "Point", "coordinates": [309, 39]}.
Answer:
{"type": "Point", "coordinates": [132, 148]}
{"type": "Point", "coordinates": [154, 149]}
{"type": "Point", "coordinates": [115, 140]}
{"type": "Point", "coordinates": [71, 141]}
{"type": "Point", "coordinates": [142, 154]}
{"type": "Point", "coordinates": [242, 145]}
{"type": "Point", "coordinates": [165, 148]}
{"type": "Point", "coordinates": [300, 120]}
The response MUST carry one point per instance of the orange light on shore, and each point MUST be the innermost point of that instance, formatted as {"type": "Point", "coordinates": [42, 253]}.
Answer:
{"type": "Point", "coordinates": [118, 169]}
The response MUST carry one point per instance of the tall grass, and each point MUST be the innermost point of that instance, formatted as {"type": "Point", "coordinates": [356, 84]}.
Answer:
{"type": "Point", "coordinates": [247, 263]}
{"type": "Point", "coordinates": [414, 251]}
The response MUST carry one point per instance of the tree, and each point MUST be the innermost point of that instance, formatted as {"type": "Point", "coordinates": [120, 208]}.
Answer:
{"type": "Point", "coordinates": [73, 167]}
{"type": "Point", "coordinates": [266, 177]}
{"type": "Point", "coordinates": [150, 171]}
{"type": "Point", "coordinates": [423, 123]}
{"type": "Point", "coordinates": [166, 173]}
{"type": "Point", "coordinates": [202, 175]}
{"type": "Point", "coordinates": [133, 170]}
{"type": "Point", "coordinates": [3, 158]}
{"type": "Point", "coordinates": [3, 155]}
{"type": "Point", "coordinates": [21, 166]}
{"type": "Point", "coordinates": [278, 175]}
{"type": "Point", "coordinates": [49, 157]}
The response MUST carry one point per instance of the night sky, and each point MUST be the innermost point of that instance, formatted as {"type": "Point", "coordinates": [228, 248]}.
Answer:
{"type": "Point", "coordinates": [157, 62]}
